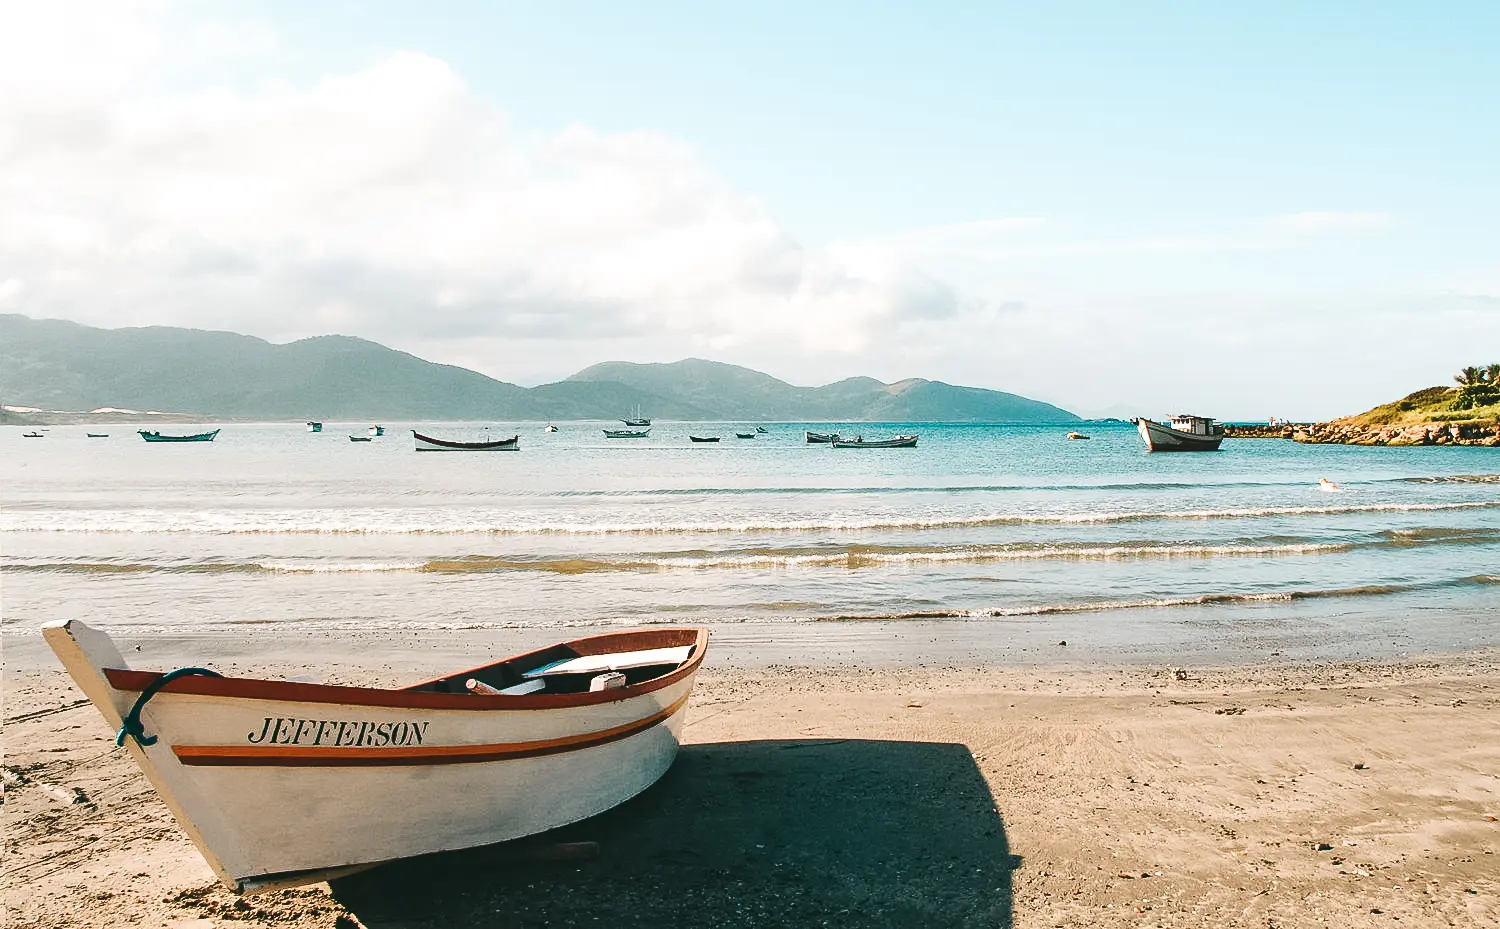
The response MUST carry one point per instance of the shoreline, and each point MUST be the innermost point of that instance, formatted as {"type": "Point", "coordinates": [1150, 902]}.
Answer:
{"type": "Point", "coordinates": [1213, 635]}
{"type": "Point", "coordinates": [950, 792]}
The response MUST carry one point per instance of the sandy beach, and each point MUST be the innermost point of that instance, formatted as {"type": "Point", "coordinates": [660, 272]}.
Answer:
{"type": "Point", "coordinates": [871, 793]}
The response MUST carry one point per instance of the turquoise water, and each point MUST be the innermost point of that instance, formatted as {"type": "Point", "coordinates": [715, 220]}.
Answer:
{"type": "Point", "coordinates": [987, 526]}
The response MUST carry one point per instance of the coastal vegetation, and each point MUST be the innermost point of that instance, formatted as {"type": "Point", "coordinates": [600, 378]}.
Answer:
{"type": "Point", "coordinates": [1467, 413]}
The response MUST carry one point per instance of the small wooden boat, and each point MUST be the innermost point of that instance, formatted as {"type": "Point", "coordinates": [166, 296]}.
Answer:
{"type": "Point", "coordinates": [376, 431]}
{"type": "Point", "coordinates": [703, 438]}
{"type": "Point", "coordinates": [281, 783]}
{"type": "Point", "coordinates": [761, 430]}
{"type": "Point", "coordinates": [900, 441]}
{"type": "Point", "coordinates": [32, 435]}
{"type": "Point", "coordinates": [745, 435]}
{"type": "Point", "coordinates": [1078, 435]}
{"type": "Point", "coordinates": [97, 435]}
{"type": "Point", "coordinates": [426, 443]}
{"type": "Point", "coordinates": [550, 428]}
{"type": "Point", "coordinates": [158, 437]}
{"type": "Point", "coordinates": [361, 438]}
{"type": "Point", "coordinates": [820, 437]}
{"type": "Point", "coordinates": [1185, 434]}
{"type": "Point", "coordinates": [314, 427]}
{"type": "Point", "coordinates": [626, 433]}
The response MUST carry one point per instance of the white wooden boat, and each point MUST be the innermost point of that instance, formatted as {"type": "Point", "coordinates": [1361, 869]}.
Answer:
{"type": "Point", "coordinates": [282, 783]}
{"type": "Point", "coordinates": [627, 433]}
{"type": "Point", "coordinates": [427, 443]}
{"type": "Point", "coordinates": [1185, 434]}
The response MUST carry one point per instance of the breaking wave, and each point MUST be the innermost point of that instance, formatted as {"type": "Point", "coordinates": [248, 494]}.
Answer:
{"type": "Point", "coordinates": [299, 523]}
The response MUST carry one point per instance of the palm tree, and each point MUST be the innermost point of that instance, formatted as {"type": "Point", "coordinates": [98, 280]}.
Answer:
{"type": "Point", "coordinates": [1469, 377]}
{"type": "Point", "coordinates": [1492, 375]}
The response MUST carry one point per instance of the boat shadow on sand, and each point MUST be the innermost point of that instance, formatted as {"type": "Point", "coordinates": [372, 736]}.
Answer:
{"type": "Point", "coordinates": [839, 832]}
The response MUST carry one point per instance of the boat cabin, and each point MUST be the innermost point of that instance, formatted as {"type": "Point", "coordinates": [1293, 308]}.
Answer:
{"type": "Point", "coordinates": [1196, 425]}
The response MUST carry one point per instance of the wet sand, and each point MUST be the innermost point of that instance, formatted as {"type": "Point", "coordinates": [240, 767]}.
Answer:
{"type": "Point", "coordinates": [948, 791]}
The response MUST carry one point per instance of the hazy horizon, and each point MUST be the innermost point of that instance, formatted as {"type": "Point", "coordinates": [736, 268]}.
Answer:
{"type": "Point", "coordinates": [1271, 212]}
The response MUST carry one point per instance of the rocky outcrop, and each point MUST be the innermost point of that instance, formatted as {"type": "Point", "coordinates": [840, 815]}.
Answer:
{"type": "Point", "coordinates": [1344, 433]}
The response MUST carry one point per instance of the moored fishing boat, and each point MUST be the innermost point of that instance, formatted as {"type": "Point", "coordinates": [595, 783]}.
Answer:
{"type": "Point", "coordinates": [376, 431]}
{"type": "Point", "coordinates": [314, 427]}
{"type": "Point", "coordinates": [703, 438]}
{"type": "Point", "coordinates": [361, 438]}
{"type": "Point", "coordinates": [1185, 434]}
{"type": "Point", "coordinates": [823, 438]}
{"type": "Point", "coordinates": [900, 441]}
{"type": "Point", "coordinates": [638, 420]}
{"type": "Point", "coordinates": [426, 443]}
{"type": "Point", "coordinates": [1078, 435]}
{"type": "Point", "coordinates": [97, 435]}
{"type": "Point", "coordinates": [153, 436]}
{"type": "Point", "coordinates": [32, 435]}
{"type": "Point", "coordinates": [550, 428]}
{"type": "Point", "coordinates": [746, 435]}
{"type": "Point", "coordinates": [626, 433]}
{"type": "Point", "coordinates": [281, 783]}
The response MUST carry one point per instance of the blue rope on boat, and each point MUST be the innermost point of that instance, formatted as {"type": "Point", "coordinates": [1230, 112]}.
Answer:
{"type": "Point", "coordinates": [132, 723]}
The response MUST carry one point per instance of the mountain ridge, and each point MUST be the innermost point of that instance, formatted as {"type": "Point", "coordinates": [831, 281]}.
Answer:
{"type": "Point", "coordinates": [58, 365]}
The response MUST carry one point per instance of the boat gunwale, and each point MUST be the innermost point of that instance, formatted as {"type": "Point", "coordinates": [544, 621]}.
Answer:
{"type": "Point", "coordinates": [411, 697]}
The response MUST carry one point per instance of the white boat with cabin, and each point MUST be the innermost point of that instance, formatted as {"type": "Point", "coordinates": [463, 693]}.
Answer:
{"type": "Point", "coordinates": [1185, 434]}
{"type": "Point", "coordinates": [281, 783]}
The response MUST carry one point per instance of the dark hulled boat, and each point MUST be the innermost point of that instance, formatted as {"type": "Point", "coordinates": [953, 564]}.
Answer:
{"type": "Point", "coordinates": [426, 443]}
{"type": "Point", "coordinates": [900, 441]}
{"type": "Point", "coordinates": [151, 436]}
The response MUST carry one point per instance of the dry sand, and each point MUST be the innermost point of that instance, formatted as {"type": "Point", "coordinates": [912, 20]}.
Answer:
{"type": "Point", "coordinates": [1346, 794]}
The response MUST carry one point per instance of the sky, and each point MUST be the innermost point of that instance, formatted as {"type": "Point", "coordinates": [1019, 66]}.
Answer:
{"type": "Point", "coordinates": [1240, 210]}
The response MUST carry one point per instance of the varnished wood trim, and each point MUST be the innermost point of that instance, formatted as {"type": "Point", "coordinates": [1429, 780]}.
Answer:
{"type": "Point", "coordinates": [294, 692]}
{"type": "Point", "coordinates": [331, 757]}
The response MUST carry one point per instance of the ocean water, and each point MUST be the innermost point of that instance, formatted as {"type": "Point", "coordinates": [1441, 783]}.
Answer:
{"type": "Point", "coordinates": [984, 526]}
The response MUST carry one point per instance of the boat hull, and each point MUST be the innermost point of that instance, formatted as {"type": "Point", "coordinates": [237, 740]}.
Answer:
{"type": "Point", "coordinates": [426, 443]}
{"type": "Point", "coordinates": [158, 437]}
{"type": "Point", "coordinates": [820, 438]}
{"type": "Point", "coordinates": [905, 441]}
{"type": "Point", "coordinates": [1160, 438]}
{"type": "Point", "coordinates": [280, 783]}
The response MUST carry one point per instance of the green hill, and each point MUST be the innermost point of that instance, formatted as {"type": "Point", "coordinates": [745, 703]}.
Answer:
{"type": "Point", "coordinates": [733, 392]}
{"type": "Point", "coordinates": [57, 365]}
{"type": "Point", "coordinates": [1470, 403]}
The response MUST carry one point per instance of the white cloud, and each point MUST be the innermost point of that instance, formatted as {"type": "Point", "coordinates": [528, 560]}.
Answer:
{"type": "Point", "coordinates": [395, 203]}
{"type": "Point", "coordinates": [1326, 222]}
{"type": "Point", "coordinates": [140, 183]}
